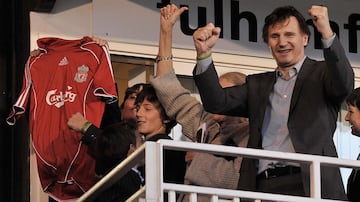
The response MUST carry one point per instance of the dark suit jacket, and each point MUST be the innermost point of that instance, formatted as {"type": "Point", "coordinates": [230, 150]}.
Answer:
{"type": "Point", "coordinates": [353, 186]}
{"type": "Point", "coordinates": [319, 90]}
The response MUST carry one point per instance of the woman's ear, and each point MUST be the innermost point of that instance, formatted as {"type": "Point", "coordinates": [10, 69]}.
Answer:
{"type": "Point", "coordinates": [131, 149]}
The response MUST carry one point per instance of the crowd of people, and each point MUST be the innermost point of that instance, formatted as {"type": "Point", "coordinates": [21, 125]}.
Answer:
{"type": "Point", "coordinates": [291, 109]}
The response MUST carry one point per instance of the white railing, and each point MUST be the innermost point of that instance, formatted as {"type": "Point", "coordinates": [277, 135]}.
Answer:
{"type": "Point", "coordinates": [155, 187]}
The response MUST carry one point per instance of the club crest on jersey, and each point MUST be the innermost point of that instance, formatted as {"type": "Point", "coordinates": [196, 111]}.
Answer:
{"type": "Point", "coordinates": [81, 74]}
{"type": "Point", "coordinates": [58, 98]}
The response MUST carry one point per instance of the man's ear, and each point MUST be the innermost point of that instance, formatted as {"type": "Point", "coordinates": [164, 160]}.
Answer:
{"type": "Point", "coordinates": [306, 40]}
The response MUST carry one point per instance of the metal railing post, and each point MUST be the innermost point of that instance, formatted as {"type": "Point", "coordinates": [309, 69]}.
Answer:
{"type": "Point", "coordinates": [315, 180]}
{"type": "Point", "coordinates": [153, 172]}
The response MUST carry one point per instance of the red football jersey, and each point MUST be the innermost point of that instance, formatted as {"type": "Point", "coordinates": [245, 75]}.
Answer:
{"type": "Point", "coordinates": [69, 76]}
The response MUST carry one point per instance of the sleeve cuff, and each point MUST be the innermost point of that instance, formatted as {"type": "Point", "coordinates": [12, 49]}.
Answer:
{"type": "Point", "coordinates": [328, 42]}
{"type": "Point", "coordinates": [203, 65]}
{"type": "Point", "coordinates": [89, 137]}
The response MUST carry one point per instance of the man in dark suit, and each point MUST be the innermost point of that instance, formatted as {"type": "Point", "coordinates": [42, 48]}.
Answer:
{"type": "Point", "coordinates": [353, 117]}
{"type": "Point", "coordinates": [292, 109]}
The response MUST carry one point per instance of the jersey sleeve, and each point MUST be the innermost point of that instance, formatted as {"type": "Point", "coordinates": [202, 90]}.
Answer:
{"type": "Point", "coordinates": [19, 107]}
{"type": "Point", "coordinates": [104, 78]}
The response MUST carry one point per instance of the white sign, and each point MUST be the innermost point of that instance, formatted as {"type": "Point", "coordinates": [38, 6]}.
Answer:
{"type": "Point", "coordinates": [137, 21]}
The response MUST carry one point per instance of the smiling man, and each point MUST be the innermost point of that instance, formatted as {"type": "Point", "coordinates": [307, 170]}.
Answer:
{"type": "Point", "coordinates": [291, 109]}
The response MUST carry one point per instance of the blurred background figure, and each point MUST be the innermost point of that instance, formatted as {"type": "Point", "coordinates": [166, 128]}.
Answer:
{"type": "Point", "coordinates": [353, 117]}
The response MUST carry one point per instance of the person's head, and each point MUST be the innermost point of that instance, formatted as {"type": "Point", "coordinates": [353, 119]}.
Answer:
{"type": "Point", "coordinates": [353, 114]}
{"type": "Point", "coordinates": [127, 107]}
{"type": "Point", "coordinates": [286, 33]}
{"type": "Point", "coordinates": [116, 142]}
{"type": "Point", "coordinates": [229, 79]}
{"type": "Point", "coordinates": [150, 114]}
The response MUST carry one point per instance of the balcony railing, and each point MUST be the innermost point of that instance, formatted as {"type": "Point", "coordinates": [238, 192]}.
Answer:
{"type": "Point", "coordinates": [155, 187]}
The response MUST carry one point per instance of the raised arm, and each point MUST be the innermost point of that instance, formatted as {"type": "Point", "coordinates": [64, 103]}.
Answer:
{"type": "Point", "coordinates": [320, 17]}
{"type": "Point", "coordinates": [177, 101]}
{"type": "Point", "coordinates": [205, 39]}
{"type": "Point", "coordinates": [340, 75]}
{"type": "Point", "coordinates": [168, 17]}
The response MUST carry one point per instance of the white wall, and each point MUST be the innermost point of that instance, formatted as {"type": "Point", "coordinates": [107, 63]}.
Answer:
{"type": "Point", "coordinates": [69, 19]}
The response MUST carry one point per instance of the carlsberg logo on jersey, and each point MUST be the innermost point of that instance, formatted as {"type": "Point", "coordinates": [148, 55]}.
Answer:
{"type": "Point", "coordinates": [58, 98]}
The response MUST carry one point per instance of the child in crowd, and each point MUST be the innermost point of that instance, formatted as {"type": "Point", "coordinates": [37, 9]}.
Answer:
{"type": "Point", "coordinates": [115, 143]}
{"type": "Point", "coordinates": [154, 124]}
